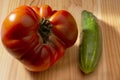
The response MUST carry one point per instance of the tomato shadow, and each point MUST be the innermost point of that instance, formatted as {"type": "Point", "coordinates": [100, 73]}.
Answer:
{"type": "Point", "coordinates": [63, 69]}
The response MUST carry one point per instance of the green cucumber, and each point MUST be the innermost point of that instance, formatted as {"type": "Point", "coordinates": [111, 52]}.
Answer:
{"type": "Point", "coordinates": [90, 49]}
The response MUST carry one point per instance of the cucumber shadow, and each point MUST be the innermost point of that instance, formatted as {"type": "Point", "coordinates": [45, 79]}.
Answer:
{"type": "Point", "coordinates": [110, 52]}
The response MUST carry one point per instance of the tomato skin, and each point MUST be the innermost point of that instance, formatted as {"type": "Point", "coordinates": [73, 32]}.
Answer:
{"type": "Point", "coordinates": [64, 25]}
{"type": "Point", "coordinates": [22, 38]}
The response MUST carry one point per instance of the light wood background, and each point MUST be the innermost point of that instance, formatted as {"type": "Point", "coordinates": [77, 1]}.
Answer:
{"type": "Point", "coordinates": [108, 13]}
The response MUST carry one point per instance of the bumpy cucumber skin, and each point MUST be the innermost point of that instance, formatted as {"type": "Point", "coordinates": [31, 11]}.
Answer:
{"type": "Point", "coordinates": [91, 47]}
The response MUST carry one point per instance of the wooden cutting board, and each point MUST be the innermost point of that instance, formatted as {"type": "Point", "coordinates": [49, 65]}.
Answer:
{"type": "Point", "coordinates": [108, 13]}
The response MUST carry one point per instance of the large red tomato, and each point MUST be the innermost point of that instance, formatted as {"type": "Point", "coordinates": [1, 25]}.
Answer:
{"type": "Point", "coordinates": [38, 37]}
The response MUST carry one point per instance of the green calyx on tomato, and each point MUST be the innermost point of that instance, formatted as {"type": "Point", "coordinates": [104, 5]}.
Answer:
{"type": "Point", "coordinates": [38, 36]}
{"type": "Point", "coordinates": [45, 29]}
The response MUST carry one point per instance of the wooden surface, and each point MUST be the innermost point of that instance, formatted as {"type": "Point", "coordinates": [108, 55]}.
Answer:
{"type": "Point", "coordinates": [108, 13]}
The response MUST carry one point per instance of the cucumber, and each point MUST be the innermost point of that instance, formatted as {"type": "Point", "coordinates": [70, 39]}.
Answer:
{"type": "Point", "coordinates": [90, 49]}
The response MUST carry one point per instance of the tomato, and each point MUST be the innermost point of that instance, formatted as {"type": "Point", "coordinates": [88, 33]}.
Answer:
{"type": "Point", "coordinates": [38, 37]}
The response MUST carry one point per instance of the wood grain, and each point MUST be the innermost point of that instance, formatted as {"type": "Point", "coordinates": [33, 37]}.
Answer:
{"type": "Point", "coordinates": [108, 13]}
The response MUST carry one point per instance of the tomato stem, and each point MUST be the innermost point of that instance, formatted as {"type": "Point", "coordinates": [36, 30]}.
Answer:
{"type": "Point", "coordinates": [45, 29]}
